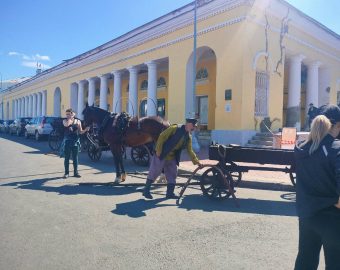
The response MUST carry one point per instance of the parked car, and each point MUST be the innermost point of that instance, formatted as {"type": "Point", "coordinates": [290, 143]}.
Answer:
{"type": "Point", "coordinates": [5, 126]}
{"type": "Point", "coordinates": [39, 127]}
{"type": "Point", "coordinates": [18, 126]}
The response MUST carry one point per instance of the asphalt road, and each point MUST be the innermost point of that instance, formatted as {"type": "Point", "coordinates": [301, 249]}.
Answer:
{"type": "Point", "coordinates": [51, 223]}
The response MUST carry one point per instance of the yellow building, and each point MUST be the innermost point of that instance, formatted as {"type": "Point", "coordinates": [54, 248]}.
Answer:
{"type": "Point", "coordinates": [255, 59]}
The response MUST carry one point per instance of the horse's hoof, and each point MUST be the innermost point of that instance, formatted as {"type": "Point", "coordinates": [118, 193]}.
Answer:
{"type": "Point", "coordinates": [123, 177]}
{"type": "Point", "coordinates": [117, 180]}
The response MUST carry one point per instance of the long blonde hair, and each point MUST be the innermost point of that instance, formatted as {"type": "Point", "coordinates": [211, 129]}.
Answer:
{"type": "Point", "coordinates": [320, 127]}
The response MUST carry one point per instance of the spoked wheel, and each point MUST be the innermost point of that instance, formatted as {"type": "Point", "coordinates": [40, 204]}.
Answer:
{"type": "Point", "coordinates": [94, 152]}
{"type": "Point", "coordinates": [84, 143]}
{"type": "Point", "coordinates": [140, 155]}
{"type": "Point", "coordinates": [54, 140]}
{"type": "Point", "coordinates": [236, 175]}
{"type": "Point", "coordinates": [214, 185]}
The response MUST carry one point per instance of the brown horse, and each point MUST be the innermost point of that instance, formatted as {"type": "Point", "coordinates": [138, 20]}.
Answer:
{"type": "Point", "coordinates": [138, 132]}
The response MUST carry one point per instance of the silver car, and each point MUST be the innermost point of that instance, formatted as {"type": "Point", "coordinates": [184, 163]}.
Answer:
{"type": "Point", "coordinates": [39, 127]}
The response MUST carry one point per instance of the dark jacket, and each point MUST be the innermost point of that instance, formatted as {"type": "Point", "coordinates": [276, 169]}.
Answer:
{"type": "Point", "coordinates": [317, 177]}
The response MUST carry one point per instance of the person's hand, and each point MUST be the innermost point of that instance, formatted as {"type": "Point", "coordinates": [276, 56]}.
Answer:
{"type": "Point", "coordinates": [338, 204]}
{"type": "Point", "coordinates": [87, 129]}
{"type": "Point", "coordinates": [200, 165]}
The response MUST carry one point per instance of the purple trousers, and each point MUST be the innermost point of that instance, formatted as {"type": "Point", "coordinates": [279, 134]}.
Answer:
{"type": "Point", "coordinates": [157, 165]}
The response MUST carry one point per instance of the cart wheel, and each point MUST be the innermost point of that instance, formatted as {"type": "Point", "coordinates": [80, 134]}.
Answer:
{"type": "Point", "coordinates": [236, 175]}
{"type": "Point", "coordinates": [84, 143]}
{"type": "Point", "coordinates": [140, 155]}
{"type": "Point", "coordinates": [213, 184]}
{"type": "Point", "coordinates": [54, 140]}
{"type": "Point", "coordinates": [292, 176]}
{"type": "Point", "coordinates": [94, 152]}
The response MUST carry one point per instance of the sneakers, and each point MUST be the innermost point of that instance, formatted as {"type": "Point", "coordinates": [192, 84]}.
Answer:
{"type": "Point", "coordinates": [65, 175]}
{"type": "Point", "coordinates": [77, 175]}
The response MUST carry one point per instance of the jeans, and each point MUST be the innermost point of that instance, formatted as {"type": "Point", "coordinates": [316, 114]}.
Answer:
{"type": "Point", "coordinates": [323, 229]}
{"type": "Point", "coordinates": [74, 149]}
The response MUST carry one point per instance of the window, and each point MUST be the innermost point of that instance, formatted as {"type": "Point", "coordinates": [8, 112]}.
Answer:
{"type": "Point", "coordinates": [161, 107]}
{"type": "Point", "coordinates": [202, 74]}
{"type": "Point", "coordinates": [161, 82]}
{"type": "Point", "coordinates": [144, 85]}
{"type": "Point", "coordinates": [143, 108]}
{"type": "Point", "coordinates": [261, 94]}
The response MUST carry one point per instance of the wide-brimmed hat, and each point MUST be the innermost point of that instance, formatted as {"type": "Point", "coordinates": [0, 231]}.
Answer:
{"type": "Point", "coordinates": [192, 121]}
{"type": "Point", "coordinates": [332, 112]}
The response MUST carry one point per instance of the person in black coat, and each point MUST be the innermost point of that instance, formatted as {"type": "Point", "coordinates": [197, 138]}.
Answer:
{"type": "Point", "coordinates": [312, 113]}
{"type": "Point", "coordinates": [318, 192]}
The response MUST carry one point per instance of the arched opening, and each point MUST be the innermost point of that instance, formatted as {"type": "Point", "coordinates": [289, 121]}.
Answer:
{"type": "Point", "coordinates": [57, 102]}
{"type": "Point", "coordinates": [205, 80]}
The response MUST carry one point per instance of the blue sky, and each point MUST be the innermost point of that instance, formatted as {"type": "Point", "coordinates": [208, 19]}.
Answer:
{"type": "Point", "coordinates": [49, 31]}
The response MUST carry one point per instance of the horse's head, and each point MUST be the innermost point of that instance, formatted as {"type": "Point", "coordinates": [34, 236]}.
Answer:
{"type": "Point", "coordinates": [88, 114]}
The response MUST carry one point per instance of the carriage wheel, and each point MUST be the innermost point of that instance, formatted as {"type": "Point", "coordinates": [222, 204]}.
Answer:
{"type": "Point", "coordinates": [140, 155]}
{"type": "Point", "coordinates": [84, 143]}
{"type": "Point", "coordinates": [292, 176]}
{"type": "Point", "coordinates": [54, 140]}
{"type": "Point", "coordinates": [94, 152]}
{"type": "Point", "coordinates": [213, 184]}
{"type": "Point", "coordinates": [236, 175]}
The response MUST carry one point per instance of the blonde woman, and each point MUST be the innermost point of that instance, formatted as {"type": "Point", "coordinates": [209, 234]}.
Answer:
{"type": "Point", "coordinates": [318, 192]}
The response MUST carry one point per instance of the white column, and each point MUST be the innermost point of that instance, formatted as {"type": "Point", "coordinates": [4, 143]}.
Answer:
{"type": "Point", "coordinates": [92, 90]}
{"type": "Point", "coordinates": [117, 92]}
{"type": "Point", "coordinates": [324, 85]}
{"type": "Point", "coordinates": [26, 106]}
{"type": "Point", "coordinates": [34, 106]}
{"type": "Point", "coordinates": [81, 105]}
{"type": "Point", "coordinates": [30, 106]}
{"type": "Point", "coordinates": [74, 97]}
{"type": "Point", "coordinates": [103, 91]}
{"type": "Point", "coordinates": [312, 91]}
{"type": "Point", "coordinates": [294, 92]}
{"type": "Point", "coordinates": [22, 107]}
{"type": "Point", "coordinates": [152, 88]}
{"type": "Point", "coordinates": [14, 115]}
{"type": "Point", "coordinates": [38, 104]}
{"type": "Point", "coordinates": [18, 109]}
{"type": "Point", "coordinates": [133, 93]}
{"type": "Point", "coordinates": [43, 102]}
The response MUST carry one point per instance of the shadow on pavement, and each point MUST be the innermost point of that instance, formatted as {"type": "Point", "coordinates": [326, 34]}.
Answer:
{"type": "Point", "coordinates": [254, 206]}
{"type": "Point", "coordinates": [136, 209]}
{"type": "Point", "coordinates": [70, 188]}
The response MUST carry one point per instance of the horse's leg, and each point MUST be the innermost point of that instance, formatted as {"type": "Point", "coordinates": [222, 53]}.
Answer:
{"type": "Point", "coordinates": [116, 160]}
{"type": "Point", "coordinates": [120, 161]}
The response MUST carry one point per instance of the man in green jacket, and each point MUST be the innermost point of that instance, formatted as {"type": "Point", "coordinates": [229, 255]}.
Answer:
{"type": "Point", "coordinates": [168, 150]}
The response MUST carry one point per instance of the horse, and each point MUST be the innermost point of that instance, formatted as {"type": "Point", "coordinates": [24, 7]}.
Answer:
{"type": "Point", "coordinates": [138, 132]}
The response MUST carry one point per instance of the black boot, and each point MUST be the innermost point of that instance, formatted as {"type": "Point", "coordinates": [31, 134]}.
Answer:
{"type": "Point", "coordinates": [146, 192]}
{"type": "Point", "coordinates": [170, 192]}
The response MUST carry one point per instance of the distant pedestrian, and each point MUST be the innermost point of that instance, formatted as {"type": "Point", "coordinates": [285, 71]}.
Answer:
{"type": "Point", "coordinates": [72, 129]}
{"type": "Point", "coordinates": [318, 192]}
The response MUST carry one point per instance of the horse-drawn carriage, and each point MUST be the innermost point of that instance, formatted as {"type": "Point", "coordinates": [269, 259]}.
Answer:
{"type": "Point", "coordinates": [91, 143]}
{"type": "Point", "coordinates": [219, 181]}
